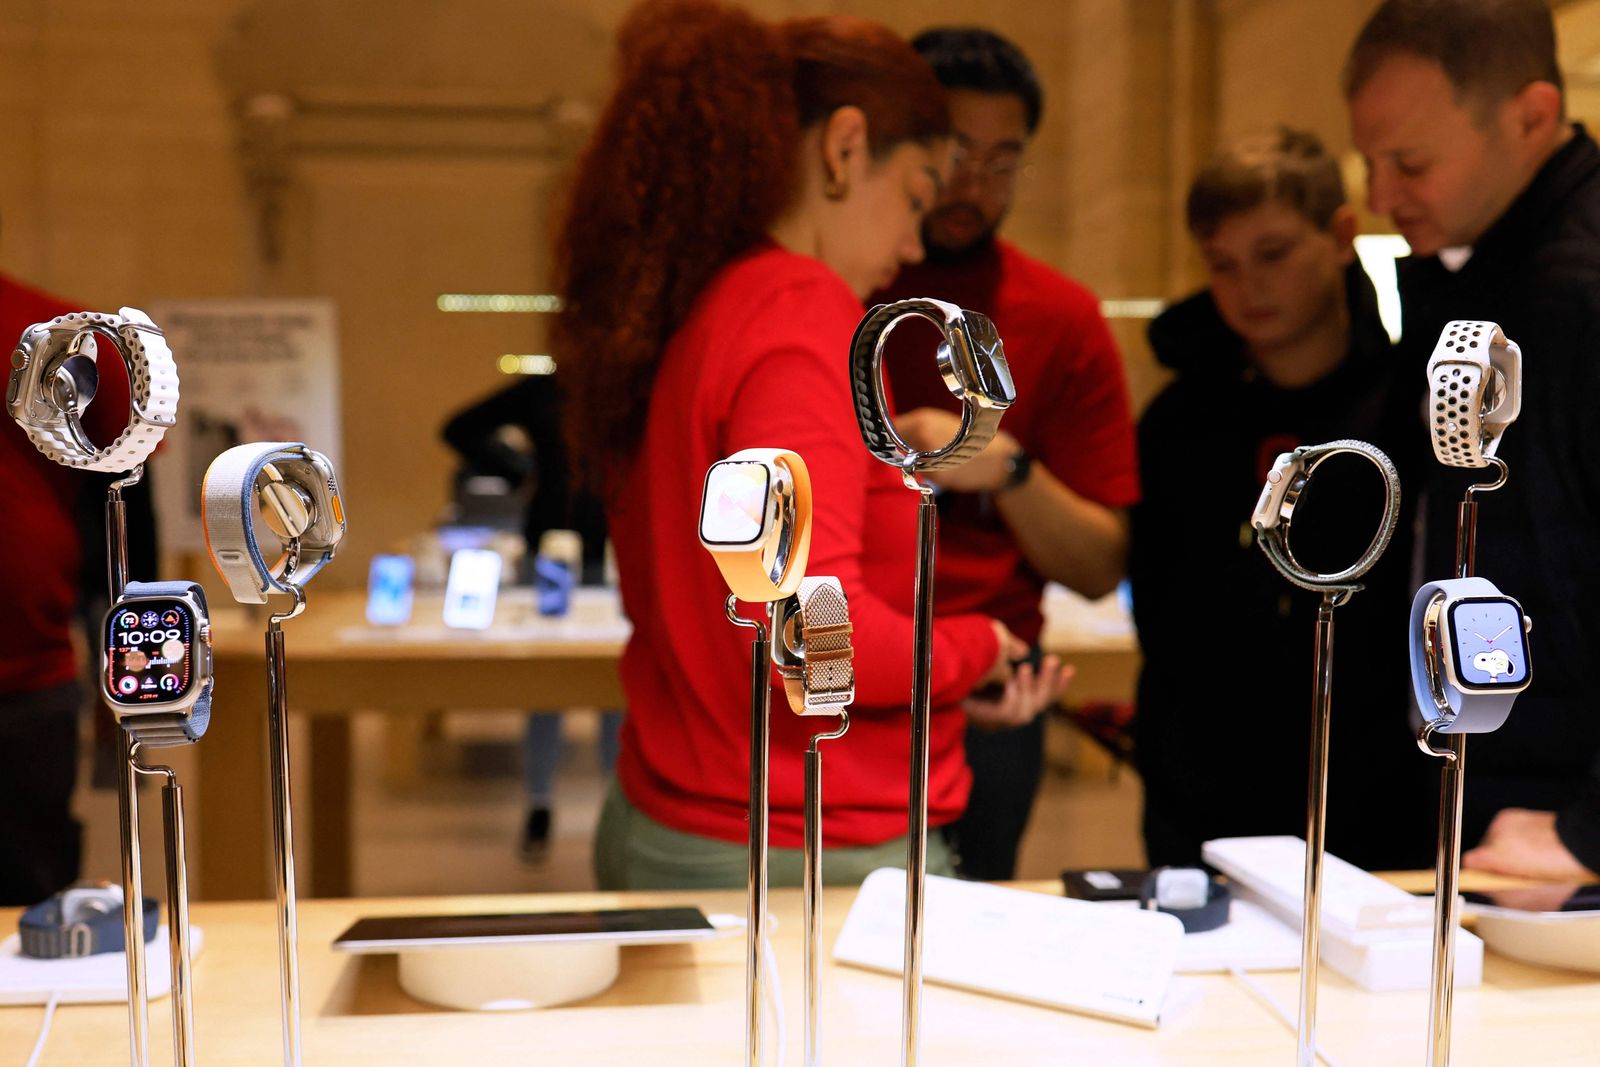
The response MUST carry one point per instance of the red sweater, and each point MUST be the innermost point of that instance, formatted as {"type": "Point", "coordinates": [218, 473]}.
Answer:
{"type": "Point", "coordinates": [1071, 413]}
{"type": "Point", "coordinates": [41, 574]}
{"type": "Point", "coordinates": [762, 361]}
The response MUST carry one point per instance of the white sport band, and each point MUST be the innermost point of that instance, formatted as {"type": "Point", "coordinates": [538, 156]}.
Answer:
{"type": "Point", "coordinates": [1474, 392]}
{"type": "Point", "coordinates": [292, 475]}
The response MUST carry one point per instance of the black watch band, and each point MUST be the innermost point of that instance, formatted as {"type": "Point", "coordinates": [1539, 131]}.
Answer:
{"type": "Point", "coordinates": [1019, 466]}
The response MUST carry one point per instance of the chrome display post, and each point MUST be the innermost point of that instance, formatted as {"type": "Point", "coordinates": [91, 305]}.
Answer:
{"type": "Point", "coordinates": [921, 715]}
{"type": "Point", "coordinates": [1316, 825]}
{"type": "Point", "coordinates": [1452, 786]}
{"type": "Point", "coordinates": [813, 887]}
{"type": "Point", "coordinates": [756, 913]}
{"type": "Point", "coordinates": [283, 830]}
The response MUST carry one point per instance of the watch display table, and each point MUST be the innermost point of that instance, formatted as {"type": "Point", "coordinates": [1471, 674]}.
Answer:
{"type": "Point", "coordinates": [684, 1004]}
{"type": "Point", "coordinates": [342, 665]}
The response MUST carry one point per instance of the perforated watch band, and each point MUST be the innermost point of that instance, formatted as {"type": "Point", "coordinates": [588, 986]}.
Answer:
{"type": "Point", "coordinates": [153, 392]}
{"type": "Point", "coordinates": [228, 510]}
{"type": "Point", "coordinates": [1290, 475]}
{"type": "Point", "coordinates": [163, 729]}
{"type": "Point", "coordinates": [1474, 392]}
{"type": "Point", "coordinates": [820, 678]}
{"type": "Point", "coordinates": [978, 422]}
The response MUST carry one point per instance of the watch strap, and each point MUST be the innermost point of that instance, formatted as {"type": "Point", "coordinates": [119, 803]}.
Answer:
{"type": "Point", "coordinates": [1465, 417]}
{"type": "Point", "coordinates": [1272, 529]}
{"type": "Point", "coordinates": [823, 681]}
{"type": "Point", "coordinates": [748, 570]}
{"type": "Point", "coordinates": [44, 934]}
{"type": "Point", "coordinates": [153, 394]}
{"type": "Point", "coordinates": [229, 516]}
{"type": "Point", "coordinates": [1468, 712]}
{"type": "Point", "coordinates": [164, 729]}
{"type": "Point", "coordinates": [873, 418]}
{"type": "Point", "coordinates": [1211, 915]}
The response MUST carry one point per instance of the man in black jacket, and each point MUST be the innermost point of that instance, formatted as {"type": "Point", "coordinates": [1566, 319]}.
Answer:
{"type": "Point", "coordinates": [1457, 108]}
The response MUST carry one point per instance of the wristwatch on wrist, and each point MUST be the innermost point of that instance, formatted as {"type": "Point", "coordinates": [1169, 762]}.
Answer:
{"type": "Point", "coordinates": [812, 651]}
{"type": "Point", "coordinates": [1469, 654]}
{"type": "Point", "coordinates": [1290, 475]}
{"type": "Point", "coordinates": [298, 495]}
{"type": "Point", "coordinates": [1474, 392]}
{"type": "Point", "coordinates": [755, 520]}
{"type": "Point", "coordinates": [156, 663]}
{"type": "Point", "coordinates": [82, 920]}
{"type": "Point", "coordinates": [972, 363]}
{"type": "Point", "coordinates": [55, 374]}
{"type": "Point", "coordinates": [1019, 465]}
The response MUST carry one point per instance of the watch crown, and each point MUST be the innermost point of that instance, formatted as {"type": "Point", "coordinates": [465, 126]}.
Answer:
{"type": "Point", "coordinates": [1527, 624]}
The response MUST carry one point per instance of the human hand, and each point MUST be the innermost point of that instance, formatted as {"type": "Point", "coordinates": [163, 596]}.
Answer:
{"type": "Point", "coordinates": [1022, 698]}
{"type": "Point", "coordinates": [1525, 844]}
{"type": "Point", "coordinates": [1012, 648]}
{"type": "Point", "coordinates": [926, 429]}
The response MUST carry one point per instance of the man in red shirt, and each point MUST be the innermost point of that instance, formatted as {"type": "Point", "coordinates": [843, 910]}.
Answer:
{"type": "Point", "coordinates": [1045, 502]}
{"type": "Point", "coordinates": [51, 552]}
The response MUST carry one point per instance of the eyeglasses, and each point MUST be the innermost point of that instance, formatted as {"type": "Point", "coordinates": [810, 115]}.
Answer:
{"type": "Point", "coordinates": [998, 166]}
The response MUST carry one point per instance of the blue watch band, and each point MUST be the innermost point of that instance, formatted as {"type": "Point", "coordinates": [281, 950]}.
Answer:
{"type": "Point", "coordinates": [1468, 712]}
{"type": "Point", "coordinates": [45, 934]}
{"type": "Point", "coordinates": [159, 730]}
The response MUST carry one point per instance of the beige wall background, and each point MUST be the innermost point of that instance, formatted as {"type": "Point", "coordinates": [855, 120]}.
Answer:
{"type": "Point", "coordinates": [381, 154]}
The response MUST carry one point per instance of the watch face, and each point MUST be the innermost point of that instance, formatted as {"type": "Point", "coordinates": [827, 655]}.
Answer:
{"type": "Point", "coordinates": [149, 654]}
{"type": "Point", "coordinates": [733, 510]}
{"type": "Point", "coordinates": [994, 373]}
{"type": "Point", "coordinates": [1488, 643]}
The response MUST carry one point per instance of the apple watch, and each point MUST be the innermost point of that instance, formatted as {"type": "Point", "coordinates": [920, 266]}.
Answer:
{"type": "Point", "coordinates": [812, 651]}
{"type": "Point", "coordinates": [55, 373]}
{"type": "Point", "coordinates": [156, 664]}
{"type": "Point", "coordinates": [972, 363]}
{"type": "Point", "coordinates": [1198, 900]}
{"type": "Point", "coordinates": [82, 920]}
{"type": "Point", "coordinates": [1290, 475]}
{"type": "Point", "coordinates": [298, 495]}
{"type": "Point", "coordinates": [1474, 392]}
{"type": "Point", "coordinates": [755, 520]}
{"type": "Point", "coordinates": [1469, 654]}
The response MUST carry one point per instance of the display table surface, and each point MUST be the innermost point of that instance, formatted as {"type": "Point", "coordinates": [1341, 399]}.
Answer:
{"type": "Point", "coordinates": [338, 664]}
{"type": "Point", "coordinates": [682, 1004]}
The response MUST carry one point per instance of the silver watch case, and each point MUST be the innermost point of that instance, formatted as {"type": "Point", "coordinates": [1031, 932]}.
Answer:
{"type": "Point", "coordinates": [202, 659]}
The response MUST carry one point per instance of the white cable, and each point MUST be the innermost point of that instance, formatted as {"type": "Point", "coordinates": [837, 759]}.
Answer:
{"type": "Point", "coordinates": [44, 1029]}
{"type": "Point", "coordinates": [769, 961]}
{"type": "Point", "coordinates": [1279, 1010]}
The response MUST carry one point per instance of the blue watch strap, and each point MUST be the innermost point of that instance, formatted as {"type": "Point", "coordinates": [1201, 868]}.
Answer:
{"type": "Point", "coordinates": [162, 730]}
{"type": "Point", "coordinates": [1470, 712]}
{"type": "Point", "coordinates": [45, 935]}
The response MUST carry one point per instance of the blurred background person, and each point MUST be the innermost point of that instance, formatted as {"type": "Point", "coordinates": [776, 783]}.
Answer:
{"type": "Point", "coordinates": [1285, 348]}
{"type": "Point", "coordinates": [1046, 500]}
{"type": "Point", "coordinates": [746, 186]}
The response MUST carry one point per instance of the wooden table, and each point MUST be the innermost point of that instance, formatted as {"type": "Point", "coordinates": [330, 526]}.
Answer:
{"type": "Point", "coordinates": [683, 1005]}
{"type": "Point", "coordinates": [340, 665]}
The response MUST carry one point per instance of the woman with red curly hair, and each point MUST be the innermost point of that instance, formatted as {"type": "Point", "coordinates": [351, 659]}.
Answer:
{"type": "Point", "coordinates": [747, 185]}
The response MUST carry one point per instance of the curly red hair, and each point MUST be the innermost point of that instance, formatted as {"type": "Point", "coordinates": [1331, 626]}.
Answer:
{"type": "Point", "coordinates": [694, 157]}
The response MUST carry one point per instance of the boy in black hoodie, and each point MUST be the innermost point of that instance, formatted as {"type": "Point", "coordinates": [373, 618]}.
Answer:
{"type": "Point", "coordinates": [1285, 348]}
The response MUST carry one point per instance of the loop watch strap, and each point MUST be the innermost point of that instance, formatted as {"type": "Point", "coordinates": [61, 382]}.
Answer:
{"type": "Point", "coordinates": [228, 510]}
{"type": "Point", "coordinates": [979, 421]}
{"type": "Point", "coordinates": [1474, 392]}
{"type": "Point", "coordinates": [812, 648]}
{"type": "Point", "coordinates": [163, 729]}
{"type": "Point", "coordinates": [1287, 480]}
{"type": "Point", "coordinates": [46, 935]}
{"type": "Point", "coordinates": [1459, 711]}
{"type": "Point", "coordinates": [152, 388]}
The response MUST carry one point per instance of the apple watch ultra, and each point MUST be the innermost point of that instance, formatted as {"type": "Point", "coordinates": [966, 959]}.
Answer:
{"type": "Point", "coordinates": [755, 520]}
{"type": "Point", "coordinates": [812, 651]}
{"type": "Point", "coordinates": [972, 363]}
{"type": "Point", "coordinates": [156, 664]}
{"type": "Point", "coordinates": [55, 374]}
{"type": "Point", "coordinates": [1469, 654]}
{"type": "Point", "coordinates": [1474, 392]}
{"type": "Point", "coordinates": [1290, 475]}
{"type": "Point", "coordinates": [299, 501]}
{"type": "Point", "coordinates": [82, 920]}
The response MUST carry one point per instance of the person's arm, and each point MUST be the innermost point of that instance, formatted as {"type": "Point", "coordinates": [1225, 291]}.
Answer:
{"type": "Point", "coordinates": [472, 431]}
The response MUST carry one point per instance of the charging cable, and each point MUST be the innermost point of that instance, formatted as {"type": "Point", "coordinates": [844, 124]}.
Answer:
{"type": "Point", "coordinates": [44, 1029]}
{"type": "Point", "coordinates": [1260, 993]}
{"type": "Point", "coordinates": [729, 924]}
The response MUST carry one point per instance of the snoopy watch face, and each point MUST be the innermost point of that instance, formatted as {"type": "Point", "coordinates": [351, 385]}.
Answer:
{"type": "Point", "coordinates": [1488, 644]}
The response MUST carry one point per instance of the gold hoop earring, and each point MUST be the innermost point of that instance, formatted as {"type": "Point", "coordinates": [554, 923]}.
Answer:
{"type": "Point", "coordinates": [834, 189]}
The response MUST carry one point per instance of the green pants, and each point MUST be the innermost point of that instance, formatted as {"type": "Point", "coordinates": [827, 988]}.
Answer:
{"type": "Point", "coordinates": [633, 851]}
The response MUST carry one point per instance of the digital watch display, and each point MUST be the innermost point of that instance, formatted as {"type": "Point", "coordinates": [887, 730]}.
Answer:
{"type": "Point", "coordinates": [149, 648]}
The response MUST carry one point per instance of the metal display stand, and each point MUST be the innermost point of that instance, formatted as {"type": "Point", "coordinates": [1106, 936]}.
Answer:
{"type": "Point", "coordinates": [283, 830]}
{"type": "Point", "coordinates": [921, 717]}
{"type": "Point", "coordinates": [129, 768]}
{"type": "Point", "coordinates": [813, 885]}
{"type": "Point", "coordinates": [760, 732]}
{"type": "Point", "coordinates": [1452, 787]}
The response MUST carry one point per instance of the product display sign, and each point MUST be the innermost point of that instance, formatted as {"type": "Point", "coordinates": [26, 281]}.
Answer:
{"type": "Point", "coordinates": [149, 650]}
{"type": "Point", "coordinates": [1487, 640]}
{"type": "Point", "coordinates": [733, 510]}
